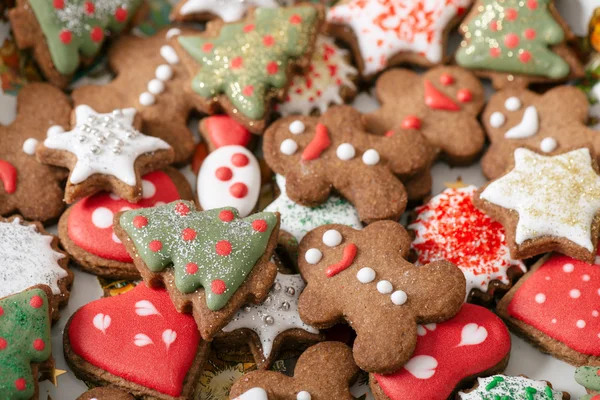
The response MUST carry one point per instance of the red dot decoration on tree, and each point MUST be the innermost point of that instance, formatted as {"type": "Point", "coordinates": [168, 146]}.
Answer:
{"type": "Point", "coordinates": [139, 221]}
{"type": "Point", "coordinates": [411, 122]}
{"type": "Point", "coordinates": [58, 4]}
{"type": "Point", "coordinates": [97, 34]}
{"type": "Point", "coordinates": [532, 4]}
{"type": "Point", "coordinates": [295, 19]}
{"type": "Point", "coordinates": [3, 343]}
{"type": "Point", "coordinates": [223, 248]}
{"type": "Point", "coordinates": [259, 225]}
{"type": "Point", "coordinates": [464, 95]}
{"type": "Point", "coordinates": [191, 268]}
{"type": "Point", "coordinates": [529, 34]}
{"type": "Point", "coordinates": [218, 286]}
{"type": "Point", "coordinates": [188, 234]}
{"type": "Point", "coordinates": [36, 302]}
{"type": "Point", "coordinates": [65, 36]}
{"type": "Point", "coordinates": [494, 26]}
{"type": "Point", "coordinates": [182, 209]}
{"type": "Point", "coordinates": [248, 90]}
{"type": "Point", "coordinates": [249, 28]}
{"type": "Point", "coordinates": [511, 14]}
{"type": "Point", "coordinates": [223, 173]}
{"type": "Point", "coordinates": [121, 14]}
{"type": "Point", "coordinates": [237, 62]}
{"type": "Point", "coordinates": [272, 68]}
{"type": "Point", "coordinates": [268, 40]}
{"type": "Point", "coordinates": [511, 40]}
{"type": "Point", "coordinates": [238, 190]}
{"type": "Point", "coordinates": [226, 216]}
{"type": "Point", "coordinates": [207, 47]}
{"type": "Point", "coordinates": [495, 52]}
{"type": "Point", "coordinates": [525, 56]}
{"type": "Point", "coordinates": [239, 160]}
{"type": "Point", "coordinates": [1, 311]}
{"type": "Point", "coordinates": [446, 79]}
{"type": "Point", "coordinates": [21, 384]}
{"type": "Point", "coordinates": [39, 344]}
{"type": "Point", "coordinates": [155, 245]}
{"type": "Point", "coordinates": [89, 7]}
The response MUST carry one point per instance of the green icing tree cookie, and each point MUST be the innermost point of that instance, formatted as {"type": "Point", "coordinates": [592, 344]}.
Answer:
{"type": "Point", "coordinates": [74, 26]}
{"type": "Point", "coordinates": [513, 36]}
{"type": "Point", "coordinates": [24, 339]}
{"type": "Point", "coordinates": [247, 59]}
{"type": "Point", "coordinates": [212, 249]}
{"type": "Point", "coordinates": [501, 387]}
{"type": "Point", "coordinates": [589, 377]}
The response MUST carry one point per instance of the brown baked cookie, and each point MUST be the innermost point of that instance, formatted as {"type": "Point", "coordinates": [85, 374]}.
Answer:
{"type": "Point", "coordinates": [155, 88]}
{"type": "Point", "coordinates": [324, 371]}
{"type": "Point", "coordinates": [86, 228]}
{"type": "Point", "coordinates": [241, 68]}
{"type": "Point", "coordinates": [28, 187]}
{"type": "Point", "coordinates": [30, 256]}
{"type": "Point", "coordinates": [104, 152]}
{"type": "Point", "coordinates": [503, 386]}
{"type": "Point", "coordinates": [211, 262]}
{"type": "Point", "coordinates": [547, 203]}
{"type": "Point", "coordinates": [443, 97]}
{"type": "Point", "coordinates": [105, 393]}
{"type": "Point", "coordinates": [271, 326]}
{"type": "Point", "coordinates": [517, 43]}
{"type": "Point", "coordinates": [384, 35]}
{"type": "Point", "coordinates": [66, 33]}
{"type": "Point", "coordinates": [114, 340]}
{"type": "Point", "coordinates": [334, 151]}
{"type": "Point", "coordinates": [555, 307]}
{"type": "Point", "coordinates": [361, 277]}
{"type": "Point", "coordinates": [419, 185]}
{"type": "Point", "coordinates": [549, 122]}
{"type": "Point", "coordinates": [26, 342]}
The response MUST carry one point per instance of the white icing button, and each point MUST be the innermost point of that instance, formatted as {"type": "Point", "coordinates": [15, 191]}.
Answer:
{"type": "Point", "coordinates": [173, 32]}
{"type": "Point", "coordinates": [146, 99]}
{"type": "Point", "coordinates": [345, 151]}
{"type": "Point", "coordinates": [54, 129]}
{"type": "Point", "coordinates": [384, 287]}
{"type": "Point", "coordinates": [164, 72]}
{"type": "Point", "coordinates": [102, 218]}
{"type": "Point", "coordinates": [568, 267]}
{"type": "Point", "coordinates": [297, 127]}
{"type": "Point", "coordinates": [365, 275]}
{"type": "Point", "coordinates": [288, 147]}
{"type": "Point", "coordinates": [497, 119]}
{"type": "Point", "coordinates": [574, 293]}
{"type": "Point", "coordinates": [148, 189]}
{"type": "Point", "coordinates": [313, 256]}
{"type": "Point", "coordinates": [303, 395]}
{"type": "Point", "coordinates": [540, 298]}
{"type": "Point", "coordinates": [580, 324]}
{"type": "Point", "coordinates": [512, 104]}
{"type": "Point", "coordinates": [168, 53]}
{"type": "Point", "coordinates": [370, 157]}
{"type": "Point", "coordinates": [156, 86]}
{"type": "Point", "coordinates": [29, 146]}
{"type": "Point", "coordinates": [332, 238]}
{"type": "Point", "coordinates": [548, 144]}
{"type": "Point", "coordinates": [399, 297]}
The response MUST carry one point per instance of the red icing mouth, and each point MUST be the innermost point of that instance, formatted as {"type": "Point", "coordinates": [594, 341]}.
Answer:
{"type": "Point", "coordinates": [8, 175]}
{"type": "Point", "coordinates": [318, 145]}
{"type": "Point", "coordinates": [438, 100]}
{"type": "Point", "coordinates": [348, 256]}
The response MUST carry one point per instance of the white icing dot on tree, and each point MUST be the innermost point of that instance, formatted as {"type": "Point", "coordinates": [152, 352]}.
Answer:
{"type": "Point", "coordinates": [332, 238]}
{"type": "Point", "coordinates": [164, 72]}
{"type": "Point", "coordinates": [345, 151]}
{"type": "Point", "coordinates": [102, 218]}
{"type": "Point", "coordinates": [29, 146]}
{"type": "Point", "coordinates": [156, 86]}
{"type": "Point", "coordinates": [297, 127]}
{"type": "Point", "coordinates": [540, 298]}
{"type": "Point", "coordinates": [147, 99]}
{"type": "Point", "coordinates": [548, 144]}
{"type": "Point", "coordinates": [512, 104]}
{"type": "Point", "coordinates": [384, 287]}
{"type": "Point", "coordinates": [365, 275]}
{"type": "Point", "coordinates": [370, 157]}
{"type": "Point", "coordinates": [288, 147]}
{"type": "Point", "coordinates": [497, 119]}
{"type": "Point", "coordinates": [399, 297]}
{"type": "Point", "coordinates": [313, 256]}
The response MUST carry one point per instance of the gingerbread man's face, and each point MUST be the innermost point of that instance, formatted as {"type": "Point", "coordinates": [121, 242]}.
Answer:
{"type": "Point", "coordinates": [550, 123]}
{"type": "Point", "coordinates": [362, 277]}
{"type": "Point", "coordinates": [442, 104]}
{"type": "Point", "coordinates": [318, 154]}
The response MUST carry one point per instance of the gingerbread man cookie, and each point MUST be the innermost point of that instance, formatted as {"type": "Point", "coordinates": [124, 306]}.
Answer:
{"type": "Point", "coordinates": [362, 277]}
{"type": "Point", "coordinates": [27, 187]}
{"type": "Point", "coordinates": [549, 122]}
{"type": "Point", "coordinates": [324, 371]}
{"type": "Point", "coordinates": [334, 151]}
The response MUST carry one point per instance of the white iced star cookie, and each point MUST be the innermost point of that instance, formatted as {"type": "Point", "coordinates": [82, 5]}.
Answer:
{"type": "Point", "coordinates": [104, 153]}
{"type": "Point", "coordinates": [227, 10]}
{"type": "Point", "coordinates": [547, 203]}
{"type": "Point", "coordinates": [275, 320]}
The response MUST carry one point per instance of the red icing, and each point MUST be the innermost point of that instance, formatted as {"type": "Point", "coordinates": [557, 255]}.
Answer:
{"type": "Point", "coordinates": [409, 122]}
{"type": "Point", "coordinates": [121, 14]}
{"type": "Point", "coordinates": [89, 7]}
{"type": "Point", "coordinates": [3, 343]}
{"type": "Point", "coordinates": [225, 131]}
{"type": "Point", "coordinates": [259, 225]}
{"type": "Point", "coordinates": [99, 241]}
{"type": "Point", "coordinates": [248, 28]}
{"type": "Point", "coordinates": [511, 14]}
{"type": "Point", "coordinates": [155, 245]}
{"type": "Point", "coordinates": [191, 268]}
{"type": "Point", "coordinates": [239, 160]}
{"type": "Point", "coordinates": [348, 255]}
{"type": "Point", "coordinates": [223, 248]}
{"type": "Point", "coordinates": [182, 209]}
{"type": "Point", "coordinates": [218, 286]}
{"type": "Point", "coordinates": [65, 36]}
{"type": "Point", "coordinates": [529, 33]}
{"type": "Point", "coordinates": [207, 47]}
{"type": "Point", "coordinates": [36, 301]}
{"type": "Point", "coordinates": [39, 344]}
{"type": "Point", "coordinates": [464, 95]}
{"type": "Point", "coordinates": [525, 56]}
{"type": "Point", "coordinates": [157, 366]}
{"type": "Point", "coordinates": [237, 63]}
{"type": "Point", "coordinates": [248, 90]}
{"type": "Point", "coordinates": [96, 34]}
{"type": "Point", "coordinates": [438, 100]}
{"type": "Point", "coordinates": [532, 4]}
{"type": "Point", "coordinates": [188, 234]}
{"type": "Point", "coordinates": [268, 40]}
{"type": "Point", "coordinates": [318, 144]}
{"type": "Point", "coordinates": [454, 361]}
{"type": "Point", "coordinates": [495, 52]}
{"type": "Point", "coordinates": [8, 175]}
{"type": "Point", "coordinates": [295, 19]}
{"type": "Point", "coordinates": [21, 384]}
{"type": "Point", "coordinates": [223, 173]}
{"type": "Point", "coordinates": [511, 40]}
{"type": "Point", "coordinates": [226, 216]}
{"type": "Point", "coordinates": [446, 79]}
{"type": "Point", "coordinates": [140, 221]}
{"type": "Point", "coordinates": [272, 68]}
{"type": "Point", "coordinates": [568, 295]}
{"type": "Point", "coordinates": [238, 190]}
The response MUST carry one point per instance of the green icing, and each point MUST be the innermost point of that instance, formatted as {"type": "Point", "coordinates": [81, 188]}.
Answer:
{"type": "Point", "coordinates": [73, 26]}
{"type": "Point", "coordinates": [501, 387]}
{"type": "Point", "coordinates": [588, 377]}
{"type": "Point", "coordinates": [20, 326]}
{"type": "Point", "coordinates": [513, 36]}
{"type": "Point", "coordinates": [249, 58]}
{"type": "Point", "coordinates": [171, 223]}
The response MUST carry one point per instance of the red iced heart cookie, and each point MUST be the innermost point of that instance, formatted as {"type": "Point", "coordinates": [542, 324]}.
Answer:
{"type": "Point", "coordinates": [472, 342]}
{"type": "Point", "coordinates": [137, 336]}
{"type": "Point", "coordinates": [90, 220]}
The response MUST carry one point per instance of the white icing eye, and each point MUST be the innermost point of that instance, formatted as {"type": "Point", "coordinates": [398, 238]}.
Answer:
{"type": "Point", "coordinates": [548, 144]}
{"type": "Point", "coordinates": [55, 129]}
{"type": "Point", "coordinates": [102, 218]}
{"type": "Point", "coordinates": [288, 147]}
{"type": "Point", "coordinates": [303, 395]}
{"type": "Point", "coordinates": [365, 275]}
{"type": "Point", "coordinates": [29, 146]}
{"type": "Point", "coordinates": [384, 287]}
{"type": "Point", "coordinates": [313, 256]}
{"type": "Point", "coordinates": [297, 127]}
{"type": "Point", "coordinates": [512, 104]}
{"type": "Point", "coordinates": [345, 151]}
{"type": "Point", "coordinates": [497, 119]}
{"type": "Point", "coordinates": [164, 72]}
{"type": "Point", "coordinates": [399, 297]}
{"type": "Point", "coordinates": [146, 99]}
{"type": "Point", "coordinates": [370, 157]}
{"type": "Point", "coordinates": [332, 238]}
{"type": "Point", "coordinates": [156, 86]}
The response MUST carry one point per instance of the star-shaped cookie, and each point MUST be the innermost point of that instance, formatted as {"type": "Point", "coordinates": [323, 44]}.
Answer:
{"type": "Point", "coordinates": [547, 203]}
{"type": "Point", "coordinates": [104, 152]}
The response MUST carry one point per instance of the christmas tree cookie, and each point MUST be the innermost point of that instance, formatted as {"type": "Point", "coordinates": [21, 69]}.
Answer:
{"type": "Point", "coordinates": [517, 42]}
{"type": "Point", "coordinates": [25, 342]}
{"type": "Point", "coordinates": [63, 33]}
{"type": "Point", "coordinates": [589, 377]}
{"type": "Point", "coordinates": [512, 387]}
{"type": "Point", "coordinates": [242, 67]}
{"type": "Point", "coordinates": [211, 261]}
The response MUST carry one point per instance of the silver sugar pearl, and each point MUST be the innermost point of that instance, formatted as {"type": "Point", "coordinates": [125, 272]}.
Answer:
{"type": "Point", "coordinates": [118, 142]}
{"type": "Point", "coordinates": [116, 150]}
{"type": "Point", "coordinates": [95, 149]}
{"type": "Point", "coordinates": [290, 291]}
{"type": "Point", "coordinates": [117, 113]}
{"type": "Point", "coordinates": [91, 119]}
{"type": "Point", "coordinates": [269, 320]}
{"type": "Point", "coordinates": [81, 138]}
{"type": "Point", "coordinates": [285, 306]}
{"type": "Point", "coordinates": [101, 139]}
{"type": "Point", "coordinates": [247, 308]}
{"type": "Point", "coordinates": [85, 128]}
{"type": "Point", "coordinates": [277, 287]}
{"type": "Point", "coordinates": [267, 300]}
{"type": "Point", "coordinates": [130, 134]}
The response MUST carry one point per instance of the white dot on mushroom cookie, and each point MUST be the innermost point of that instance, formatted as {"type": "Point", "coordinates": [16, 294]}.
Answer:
{"type": "Point", "coordinates": [332, 238]}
